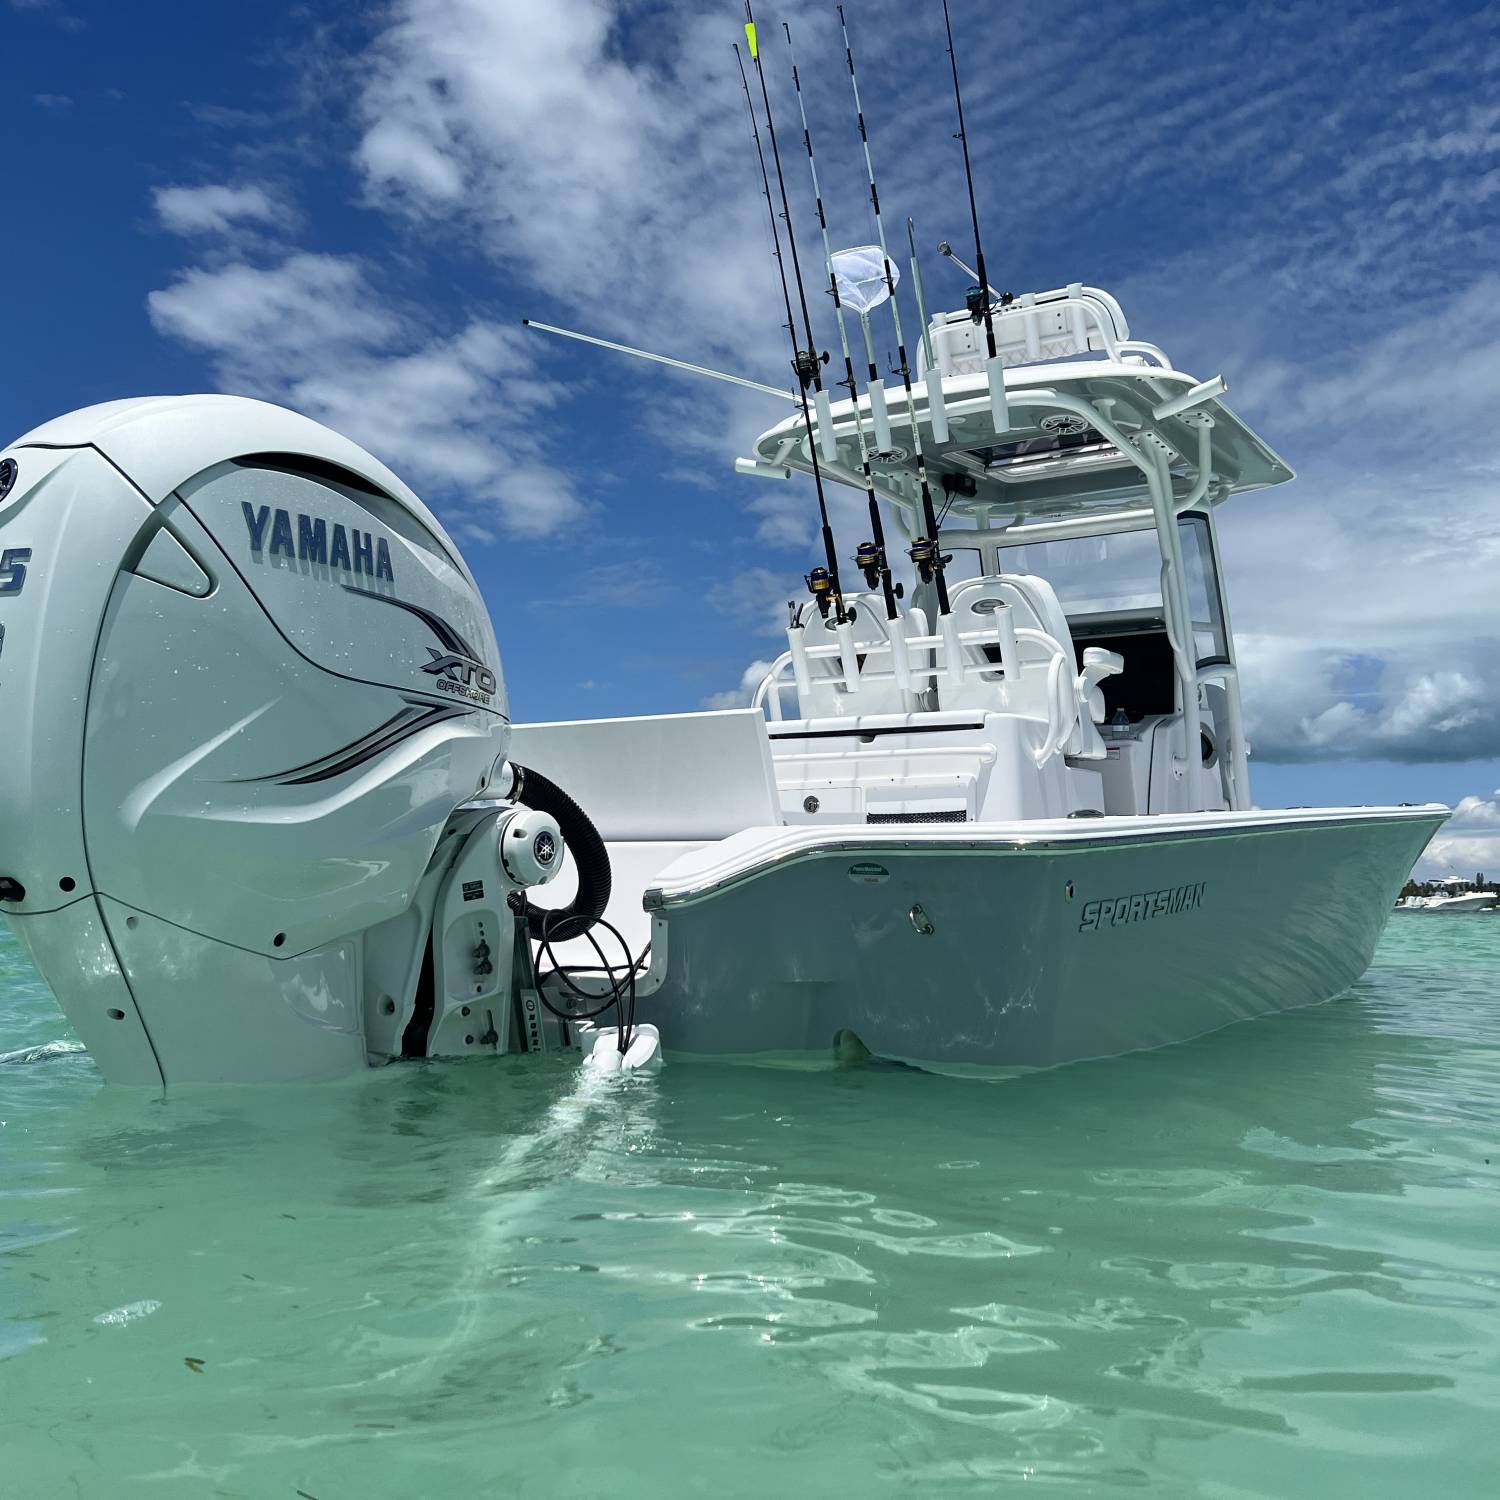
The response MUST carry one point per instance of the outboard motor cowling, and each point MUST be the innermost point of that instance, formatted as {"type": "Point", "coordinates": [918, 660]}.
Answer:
{"type": "Point", "coordinates": [246, 685]}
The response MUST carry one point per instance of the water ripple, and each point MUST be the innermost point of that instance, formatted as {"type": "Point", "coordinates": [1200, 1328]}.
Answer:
{"type": "Point", "coordinates": [1258, 1265]}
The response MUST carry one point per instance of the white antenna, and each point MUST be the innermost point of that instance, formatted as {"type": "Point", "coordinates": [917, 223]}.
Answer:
{"type": "Point", "coordinates": [661, 359]}
{"type": "Point", "coordinates": [932, 377]}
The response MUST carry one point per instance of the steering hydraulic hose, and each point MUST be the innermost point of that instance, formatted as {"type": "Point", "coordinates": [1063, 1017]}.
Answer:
{"type": "Point", "coordinates": [590, 858]}
{"type": "Point", "coordinates": [579, 918]}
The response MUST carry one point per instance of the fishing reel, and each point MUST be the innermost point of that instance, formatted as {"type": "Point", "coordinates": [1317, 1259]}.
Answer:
{"type": "Point", "coordinates": [806, 365]}
{"type": "Point", "coordinates": [870, 561]}
{"type": "Point", "coordinates": [820, 586]}
{"type": "Point", "coordinates": [977, 300]}
{"type": "Point", "coordinates": [926, 558]}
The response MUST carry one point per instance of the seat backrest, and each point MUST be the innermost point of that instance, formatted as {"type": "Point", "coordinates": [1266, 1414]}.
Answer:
{"type": "Point", "coordinates": [1034, 606]}
{"type": "Point", "coordinates": [829, 698]}
{"type": "Point", "coordinates": [1041, 599]}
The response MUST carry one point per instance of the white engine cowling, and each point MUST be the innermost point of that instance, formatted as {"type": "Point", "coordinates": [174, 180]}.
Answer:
{"type": "Point", "coordinates": [247, 684]}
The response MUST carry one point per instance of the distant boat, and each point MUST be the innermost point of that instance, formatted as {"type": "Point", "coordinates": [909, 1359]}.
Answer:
{"type": "Point", "coordinates": [1454, 904]}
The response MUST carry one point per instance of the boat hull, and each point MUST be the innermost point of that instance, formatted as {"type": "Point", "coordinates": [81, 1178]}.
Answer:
{"type": "Point", "coordinates": [1024, 946]}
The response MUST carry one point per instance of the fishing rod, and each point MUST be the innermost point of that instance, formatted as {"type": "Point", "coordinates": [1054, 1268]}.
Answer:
{"type": "Point", "coordinates": [869, 556]}
{"type": "Point", "coordinates": [824, 588]}
{"type": "Point", "coordinates": [979, 296]}
{"type": "Point", "coordinates": [807, 361]}
{"type": "Point", "coordinates": [926, 554]}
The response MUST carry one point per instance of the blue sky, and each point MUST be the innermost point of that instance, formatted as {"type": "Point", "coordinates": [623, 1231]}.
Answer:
{"type": "Point", "coordinates": [348, 208]}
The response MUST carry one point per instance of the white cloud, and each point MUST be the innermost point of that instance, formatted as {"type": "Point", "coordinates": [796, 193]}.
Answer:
{"type": "Point", "coordinates": [621, 189]}
{"type": "Point", "coordinates": [456, 413]}
{"type": "Point", "coordinates": [1300, 704]}
{"type": "Point", "coordinates": [1455, 854]}
{"type": "Point", "coordinates": [616, 189]}
{"type": "Point", "coordinates": [54, 102]}
{"type": "Point", "coordinates": [268, 323]}
{"type": "Point", "coordinates": [1469, 843]}
{"type": "Point", "coordinates": [1364, 593]}
{"type": "Point", "coordinates": [1434, 366]}
{"type": "Point", "coordinates": [739, 697]}
{"type": "Point", "coordinates": [215, 208]}
{"type": "Point", "coordinates": [1478, 812]}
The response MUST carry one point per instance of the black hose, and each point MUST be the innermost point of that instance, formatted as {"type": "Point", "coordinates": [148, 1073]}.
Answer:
{"type": "Point", "coordinates": [554, 929]}
{"type": "Point", "coordinates": [590, 858]}
{"type": "Point", "coordinates": [579, 918]}
{"type": "Point", "coordinates": [558, 927]}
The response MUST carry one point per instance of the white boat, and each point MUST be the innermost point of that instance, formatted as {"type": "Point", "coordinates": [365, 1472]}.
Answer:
{"type": "Point", "coordinates": [1458, 897]}
{"type": "Point", "coordinates": [1015, 834]}
{"type": "Point", "coordinates": [263, 815]}
{"type": "Point", "coordinates": [1020, 833]}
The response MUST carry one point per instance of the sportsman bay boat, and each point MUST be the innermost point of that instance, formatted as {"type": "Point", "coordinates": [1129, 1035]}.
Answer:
{"type": "Point", "coordinates": [264, 817]}
{"type": "Point", "coordinates": [1018, 830]}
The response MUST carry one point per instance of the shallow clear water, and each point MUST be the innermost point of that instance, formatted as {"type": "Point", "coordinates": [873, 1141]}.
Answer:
{"type": "Point", "coordinates": [1266, 1263]}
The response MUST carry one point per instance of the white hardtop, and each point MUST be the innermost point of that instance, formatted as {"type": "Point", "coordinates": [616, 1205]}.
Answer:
{"type": "Point", "coordinates": [1084, 400]}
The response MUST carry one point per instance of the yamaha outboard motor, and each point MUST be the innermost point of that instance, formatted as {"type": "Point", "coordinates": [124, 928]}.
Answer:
{"type": "Point", "coordinates": [250, 713]}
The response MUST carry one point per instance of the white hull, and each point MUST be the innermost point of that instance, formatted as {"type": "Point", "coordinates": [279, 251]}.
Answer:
{"type": "Point", "coordinates": [1049, 942]}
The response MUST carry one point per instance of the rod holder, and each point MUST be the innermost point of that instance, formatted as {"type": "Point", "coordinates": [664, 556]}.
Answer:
{"type": "Point", "coordinates": [827, 440]}
{"type": "Point", "coordinates": [1005, 638]}
{"type": "Point", "coordinates": [937, 409]}
{"type": "Point", "coordinates": [900, 664]}
{"type": "Point", "coordinates": [994, 372]}
{"type": "Point", "coordinates": [796, 639]}
{"type": "Point", "coordinates": [880, 416]}
{"type": "Point", "coordinates": [953, 650]}
{"type": "Point", "coordinates": [848, 657]}
{"type": "Point", "coordinates": [761, 471]}
{"type": "Point", "coordinates": [1205, 390]}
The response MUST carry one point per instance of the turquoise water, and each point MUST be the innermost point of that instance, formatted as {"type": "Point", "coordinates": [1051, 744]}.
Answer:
{"type": "Point", "coordinates": [1266, 1263]}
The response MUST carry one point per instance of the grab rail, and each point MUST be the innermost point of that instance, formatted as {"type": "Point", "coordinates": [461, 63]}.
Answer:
{"type": "Point", "coordinates": [1038, 327]}
{"type": "Point", "coordinates": [1063, 705]}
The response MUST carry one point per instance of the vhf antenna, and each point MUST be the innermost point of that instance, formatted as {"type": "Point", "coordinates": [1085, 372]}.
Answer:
{"type": "Point", "coordinates": [979, 296]}
{"type": "Point", "coordinates": [805, 362]}
{"type": "Point", "coordinates": [932, 377]}
{"type": "Point", "coordinates": [916, 284]}
{"type": "Point", "coordinates": [870, 556]}
{"type": "Point", "coordinates": [925, 553]}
